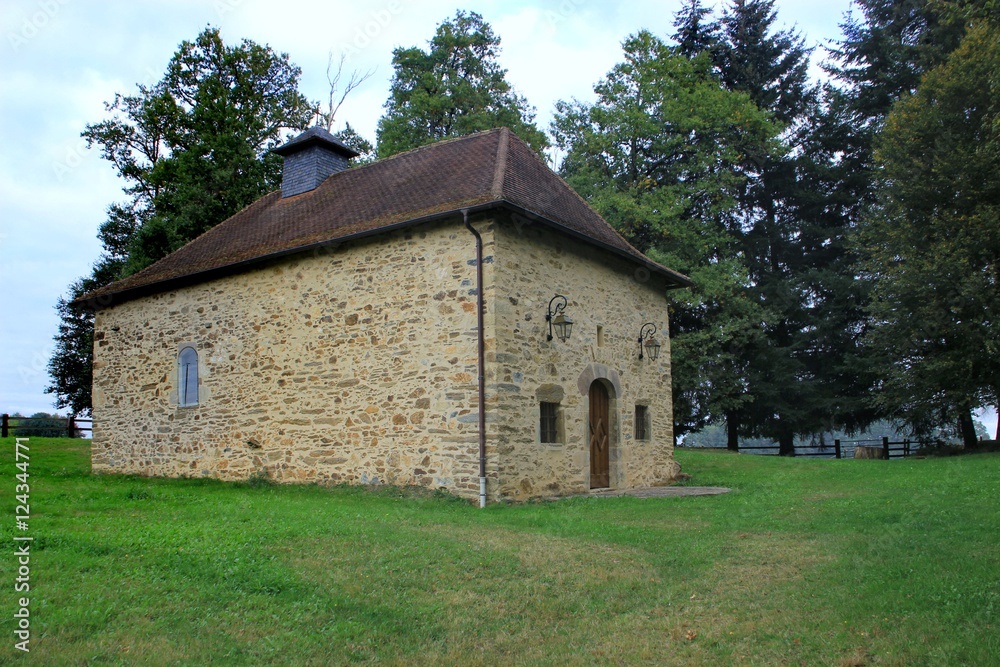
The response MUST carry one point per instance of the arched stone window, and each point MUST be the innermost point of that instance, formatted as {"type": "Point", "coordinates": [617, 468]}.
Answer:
{"type": "Point", "coordinates": [187, 377]}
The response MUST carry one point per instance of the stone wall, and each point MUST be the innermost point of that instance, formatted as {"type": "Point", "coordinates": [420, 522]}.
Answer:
{"type": "Point", "coordinates": [605, 294]}
{"type": "Point", "coordinates": [356, 364]}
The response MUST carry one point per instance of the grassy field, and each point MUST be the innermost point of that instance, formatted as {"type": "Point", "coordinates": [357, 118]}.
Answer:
{"type": "Point", "coordinates": [806, 562]}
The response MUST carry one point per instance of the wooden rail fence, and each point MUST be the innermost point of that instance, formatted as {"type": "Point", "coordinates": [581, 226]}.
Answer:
{"type": "Point", "coordinates": [73, 427]}
{"type": "Point", "coordinates": [843, 449]}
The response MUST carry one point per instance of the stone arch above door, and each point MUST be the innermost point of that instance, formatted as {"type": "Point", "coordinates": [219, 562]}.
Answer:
{"type": "Point", "coordinates": [597, 371]}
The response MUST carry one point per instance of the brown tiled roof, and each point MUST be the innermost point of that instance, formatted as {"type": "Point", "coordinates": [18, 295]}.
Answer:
{"type": "Point", "coordinates": [492, 168]}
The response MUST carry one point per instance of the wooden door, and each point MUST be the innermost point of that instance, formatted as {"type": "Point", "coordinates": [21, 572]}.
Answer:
{"type": "Point", "coordinates": [600, 437]}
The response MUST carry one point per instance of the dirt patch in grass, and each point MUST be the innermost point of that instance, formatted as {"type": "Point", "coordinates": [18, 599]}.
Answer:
{"type": "Point", "coordinates": [763, 562]}
{"type": "Point", "coordinates": [496, 592]}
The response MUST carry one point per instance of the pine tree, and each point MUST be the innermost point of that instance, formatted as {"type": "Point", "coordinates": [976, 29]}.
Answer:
{"type": "Point", "coordinates": [771, 67]}
{"type": "Point", "coordinates": [880, 61]}
{"type": "Point", "coordinates": [696, 32]}
{"type": "Point", "coordinates": [884, 53]}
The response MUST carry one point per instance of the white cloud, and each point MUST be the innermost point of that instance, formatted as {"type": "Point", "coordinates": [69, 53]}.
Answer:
{"type": "Point", "coordinates": [576, 50]}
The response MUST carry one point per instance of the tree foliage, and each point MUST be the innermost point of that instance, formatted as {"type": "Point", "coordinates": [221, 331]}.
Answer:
{"type": "Point", "coordinates": [932, 251]}
{"type": "Point", "coordinates": [879, 67]}
{"type": "Point", "coordinates": [886, 50]}
{"type": "Point", "coordinates": [696, 31]}
{"type": "Point", "coordinates": [353, 138]}
{"type": "Point", "coordinates": [769, 65]}
{"type": "Point", "coordinates": [42, 425]}
{"type": "Point", "coordinates": [71, 365]}
{"type": "Point", "coordinates": [879, 60]}
{"type": "Point", "coordinates": [793, 249]}
{"type": "Point", "coordinates": [455, 88]}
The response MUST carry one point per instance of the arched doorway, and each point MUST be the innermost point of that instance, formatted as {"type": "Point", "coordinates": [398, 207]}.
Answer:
{"type": "Point", "coordinates": [600, 436]}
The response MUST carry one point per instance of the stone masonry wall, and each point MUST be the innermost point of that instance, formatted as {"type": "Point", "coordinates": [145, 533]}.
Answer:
{"type": "Point", "coordinates": [358, 364]}
{"type": "Point", "coordinates": [355, 364]}
{"type": "Point", "coordinates": [533, 264]}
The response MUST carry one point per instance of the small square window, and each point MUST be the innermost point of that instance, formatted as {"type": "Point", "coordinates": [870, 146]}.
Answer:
{"type": "Point", "coordinates": [642, 422]}
{"type": "Point", "coordinates": [548, 427]}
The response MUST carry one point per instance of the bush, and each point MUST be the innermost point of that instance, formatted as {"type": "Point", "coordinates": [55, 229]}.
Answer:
{"type": "Point", "coordinates": [38, 425]}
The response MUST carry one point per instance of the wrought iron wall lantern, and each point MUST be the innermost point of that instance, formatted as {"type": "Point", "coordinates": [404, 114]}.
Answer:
{"type": "Point", "coordinates": [646, 339]}
{"type": "Point", "coordinates": [558, 320]}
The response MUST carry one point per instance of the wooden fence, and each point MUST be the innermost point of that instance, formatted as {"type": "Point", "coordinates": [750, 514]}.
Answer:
{"type": "Point", "coordinates": [846, 449]}
{"type": "Point", "coordinates": [71, 427]}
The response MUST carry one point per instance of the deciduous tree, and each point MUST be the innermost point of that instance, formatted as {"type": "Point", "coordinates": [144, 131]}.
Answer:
{"type": "Point", "coordinates": [192, 150]}
{"type": "Point", "coordinates": [454, 88]}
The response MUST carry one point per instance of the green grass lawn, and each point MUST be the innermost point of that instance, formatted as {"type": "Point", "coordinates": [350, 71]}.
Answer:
{"type": "Point", "coordinates": [806, 562]}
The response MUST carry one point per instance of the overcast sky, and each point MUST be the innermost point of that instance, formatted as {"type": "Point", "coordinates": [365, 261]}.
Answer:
{"type": "Point", "coordinates": [60, 60]}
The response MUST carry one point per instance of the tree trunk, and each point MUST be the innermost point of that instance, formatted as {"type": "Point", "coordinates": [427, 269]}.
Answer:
{"type": "Point", "coordinates": [967, 428]}
{"type": "Point", "coordinates": [732, 432]}
{"type": "Point", "coordinates": [996, 396]}
{"type": "Point", "coordinates": [786, 444]}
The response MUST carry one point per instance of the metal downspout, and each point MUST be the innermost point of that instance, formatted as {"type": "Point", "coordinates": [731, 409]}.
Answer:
{"type": "Point", "coordinates": [482, 358]}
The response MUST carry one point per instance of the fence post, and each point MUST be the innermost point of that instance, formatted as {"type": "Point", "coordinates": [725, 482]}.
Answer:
{"type": "Point", "coordinates": [836, 448]}
{"type": "Point", "coordinates": [885, 446]}
{"type": "Point", "coordinates": [71, 426]}
{"type": "Point", "coordinates": [5, 428]}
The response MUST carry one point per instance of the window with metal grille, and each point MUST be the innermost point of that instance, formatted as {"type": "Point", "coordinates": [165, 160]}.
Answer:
{"type": "Point", "coordinates": [187, 377]}
{"type": "Point", "coordinates": [642, 422]}
{"type": "Point", "coordinates": [548, 427]}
